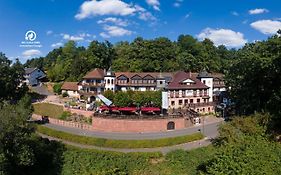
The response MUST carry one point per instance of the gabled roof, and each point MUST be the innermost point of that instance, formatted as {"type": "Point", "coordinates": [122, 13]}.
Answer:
{"type": "Point", "coordinates": [29, 70]}
{"type": "Point", "coordinates": [70, 86]}
{"type": "Point", "coordinates": [179, 77]}
{"type": "Point", "coordinates": [95, 74]}
{"type": "Point", "coordinates": [155, 75]}
{"type": "Point", "coordinates": [188, 80]}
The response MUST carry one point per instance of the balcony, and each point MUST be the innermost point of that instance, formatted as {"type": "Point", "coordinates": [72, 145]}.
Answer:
{"type": "Point", "coordinates": [194, 105]}
{"type": "Point", "coordinates": [136, 84]}
{"type": "Point", "coordinates": [93, 84]}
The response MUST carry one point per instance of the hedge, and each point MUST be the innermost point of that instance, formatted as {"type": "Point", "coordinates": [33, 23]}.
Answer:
{"type": "Point", "coordinates": [101, 142]}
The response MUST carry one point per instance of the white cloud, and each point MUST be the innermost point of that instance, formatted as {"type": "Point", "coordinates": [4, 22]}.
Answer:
{"type": "Point", "coordinates": [234, 13]}
{"type": "Point", "coordinates": [73, 38]}
{"type": "Point", "coordinates": [79, 37]}
{"type": "Point", "coordinates": [31, 53]}
{"type": "Point", "coordinates": [144, 14]}
{"type": "Point", "coordinates": [104, 7]}
{"type": "Point", "coordinates": [49, 32]}
{"type": "Point", "coordinates": [187, 16]}
{"type": "Point", "coordinates": [266, 26]}
{"type": "Point", "coordinates": [225, 37]}
{"type": "Point", "coordinates": [154, 3]}
{"type": "Point", "coordinates": [245, 21]}
{"type": "Point", "coordinates": [59, 44]}
{"type": "Point", "coordinates": [116, 21]}
{"type": "Point", "coordinates": [258, 11]}
{"type": "Point", "coordinates": [114, 31]}
{"type": "Point", "coordinates": [177, 3]}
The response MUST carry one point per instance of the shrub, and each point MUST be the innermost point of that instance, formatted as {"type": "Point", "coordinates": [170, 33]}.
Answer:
{"type": "Point", "coordinates": [65, 94]}
{"type": "Point", "coordinates": [57, 88]}
{"type": "Point", "coordinates": [65, 115]}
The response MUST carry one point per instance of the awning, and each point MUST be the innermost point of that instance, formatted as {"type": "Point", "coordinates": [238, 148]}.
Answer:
{"type": "Point", "coordinates": [148, 109]}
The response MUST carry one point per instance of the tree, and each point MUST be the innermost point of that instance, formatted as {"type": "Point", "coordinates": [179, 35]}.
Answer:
{"type": "Point", "coordinates": [10, 79]}
{"type": "Point", "coordinates": [243, 147]}
{"type": "Point", "coordinates": [122, 99]}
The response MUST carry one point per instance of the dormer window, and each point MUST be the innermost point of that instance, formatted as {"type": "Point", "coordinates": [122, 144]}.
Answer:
{"type": "Point", "coordinates": [187, 82]}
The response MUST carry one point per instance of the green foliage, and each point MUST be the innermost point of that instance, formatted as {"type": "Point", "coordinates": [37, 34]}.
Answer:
{"type": "Point", "coordinates": [254, 78]}
{"type": "Point", "coordinates": [11, 76]}
{"type": "Point", "coordinates": [109, 94]}
{"type": "Point", "coordinates": [48, 109]}
{"type": "Point", "coordinates": [20, 151]}
{"type": "Point", "coordinates": [252, 156]}
{"type": "Point", "coordinates": [244, 148]}
{"type": "Point", "coordinates": [160, 54]}
{"type": "Point", "coordinates": [119, 143]}
{"type": "Point", "coordinates": [57, 88]}
{"type": "Point", "coordinates": [65, 94]}
{"type": "Point", "coordinates": [65, 115]}
{"type": "Point", "coordinates": [78, 161]}
{"type": "Point", "coordinates": [236, 130]}
{"type": "Point", "coordinates": [139, 98]}
{"type": "Point", "coordinates": [122, 99]}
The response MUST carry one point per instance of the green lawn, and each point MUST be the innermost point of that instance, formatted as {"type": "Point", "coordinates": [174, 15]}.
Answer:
{"type": "Point", "coordinates": [119, 143]}
{"type": "Point", "coordinates": [48, 109]}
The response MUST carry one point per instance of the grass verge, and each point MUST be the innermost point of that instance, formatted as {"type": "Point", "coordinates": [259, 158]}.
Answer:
{"type": "Point", "coordinates": [101, 142]}
{"type": "Point", "coordinates": [48, 109]}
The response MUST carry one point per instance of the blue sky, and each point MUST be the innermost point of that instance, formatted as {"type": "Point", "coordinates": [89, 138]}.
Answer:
{"type": "Point", "coordinates": [231, 22]}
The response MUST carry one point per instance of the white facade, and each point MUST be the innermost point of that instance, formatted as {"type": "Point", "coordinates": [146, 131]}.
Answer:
{"type": "Point", "coordinates": [71, 93]}
{"type": "Point", "coordinates": [109, 83]}
{"type": "Point", "coordinates": [208, 81]}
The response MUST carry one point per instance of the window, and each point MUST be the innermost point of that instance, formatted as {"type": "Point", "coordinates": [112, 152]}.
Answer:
{"type": "Point", "coordinates": [112, 81]}
{"type": "Point", "coordinates": [108, 81]}
{"type": "Point", "coordinates": [161, 82]}
{"type": "Point", "coordinates": [180, 102]}
{"type": "Point", "coordinates": [209, 109]}
{"type": "Point", "coordinates": [185, 101]}
{"type": "Point", "coordinates": [204, 81]}
{"type": "Point", "coordinates": [203, 109]}
{"type": "Point", "coordinates": [198, 100]}
{"type": "Point", "coordinates": [173, 103]}
{"type": "Point", "coordinates": [191, 100]}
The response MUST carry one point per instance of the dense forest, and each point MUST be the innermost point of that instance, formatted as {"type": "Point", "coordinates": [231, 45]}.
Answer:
{"type": "Point", "coordinates": [161, 54]}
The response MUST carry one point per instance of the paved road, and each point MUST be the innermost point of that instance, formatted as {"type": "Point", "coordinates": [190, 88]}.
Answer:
{"type": "Point", "coordinates": [210, 131]}
{"type": "Point", "coordinates": [164, 150]}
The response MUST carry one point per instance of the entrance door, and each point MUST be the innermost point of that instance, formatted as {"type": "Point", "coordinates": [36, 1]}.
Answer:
{"type": "Point", "coordinates": [171, 126]}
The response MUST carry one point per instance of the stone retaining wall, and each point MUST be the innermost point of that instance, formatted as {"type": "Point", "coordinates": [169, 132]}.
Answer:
{"type": "Point", "coordinates": [137, 125]}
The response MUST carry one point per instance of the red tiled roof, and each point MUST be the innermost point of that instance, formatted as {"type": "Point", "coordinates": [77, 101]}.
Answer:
{"type": "Point", "coordinates": [95, 74]}
{"type": "Point", "coordinates": [73, 86]}
{"type": "Point", "coordinates": [143, 74]}
{"type": "Point", "coordinates": [181, 76]}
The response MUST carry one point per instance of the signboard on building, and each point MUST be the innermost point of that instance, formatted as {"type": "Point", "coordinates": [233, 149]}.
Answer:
{"type": "Point", "coordinates": [165, 102]}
